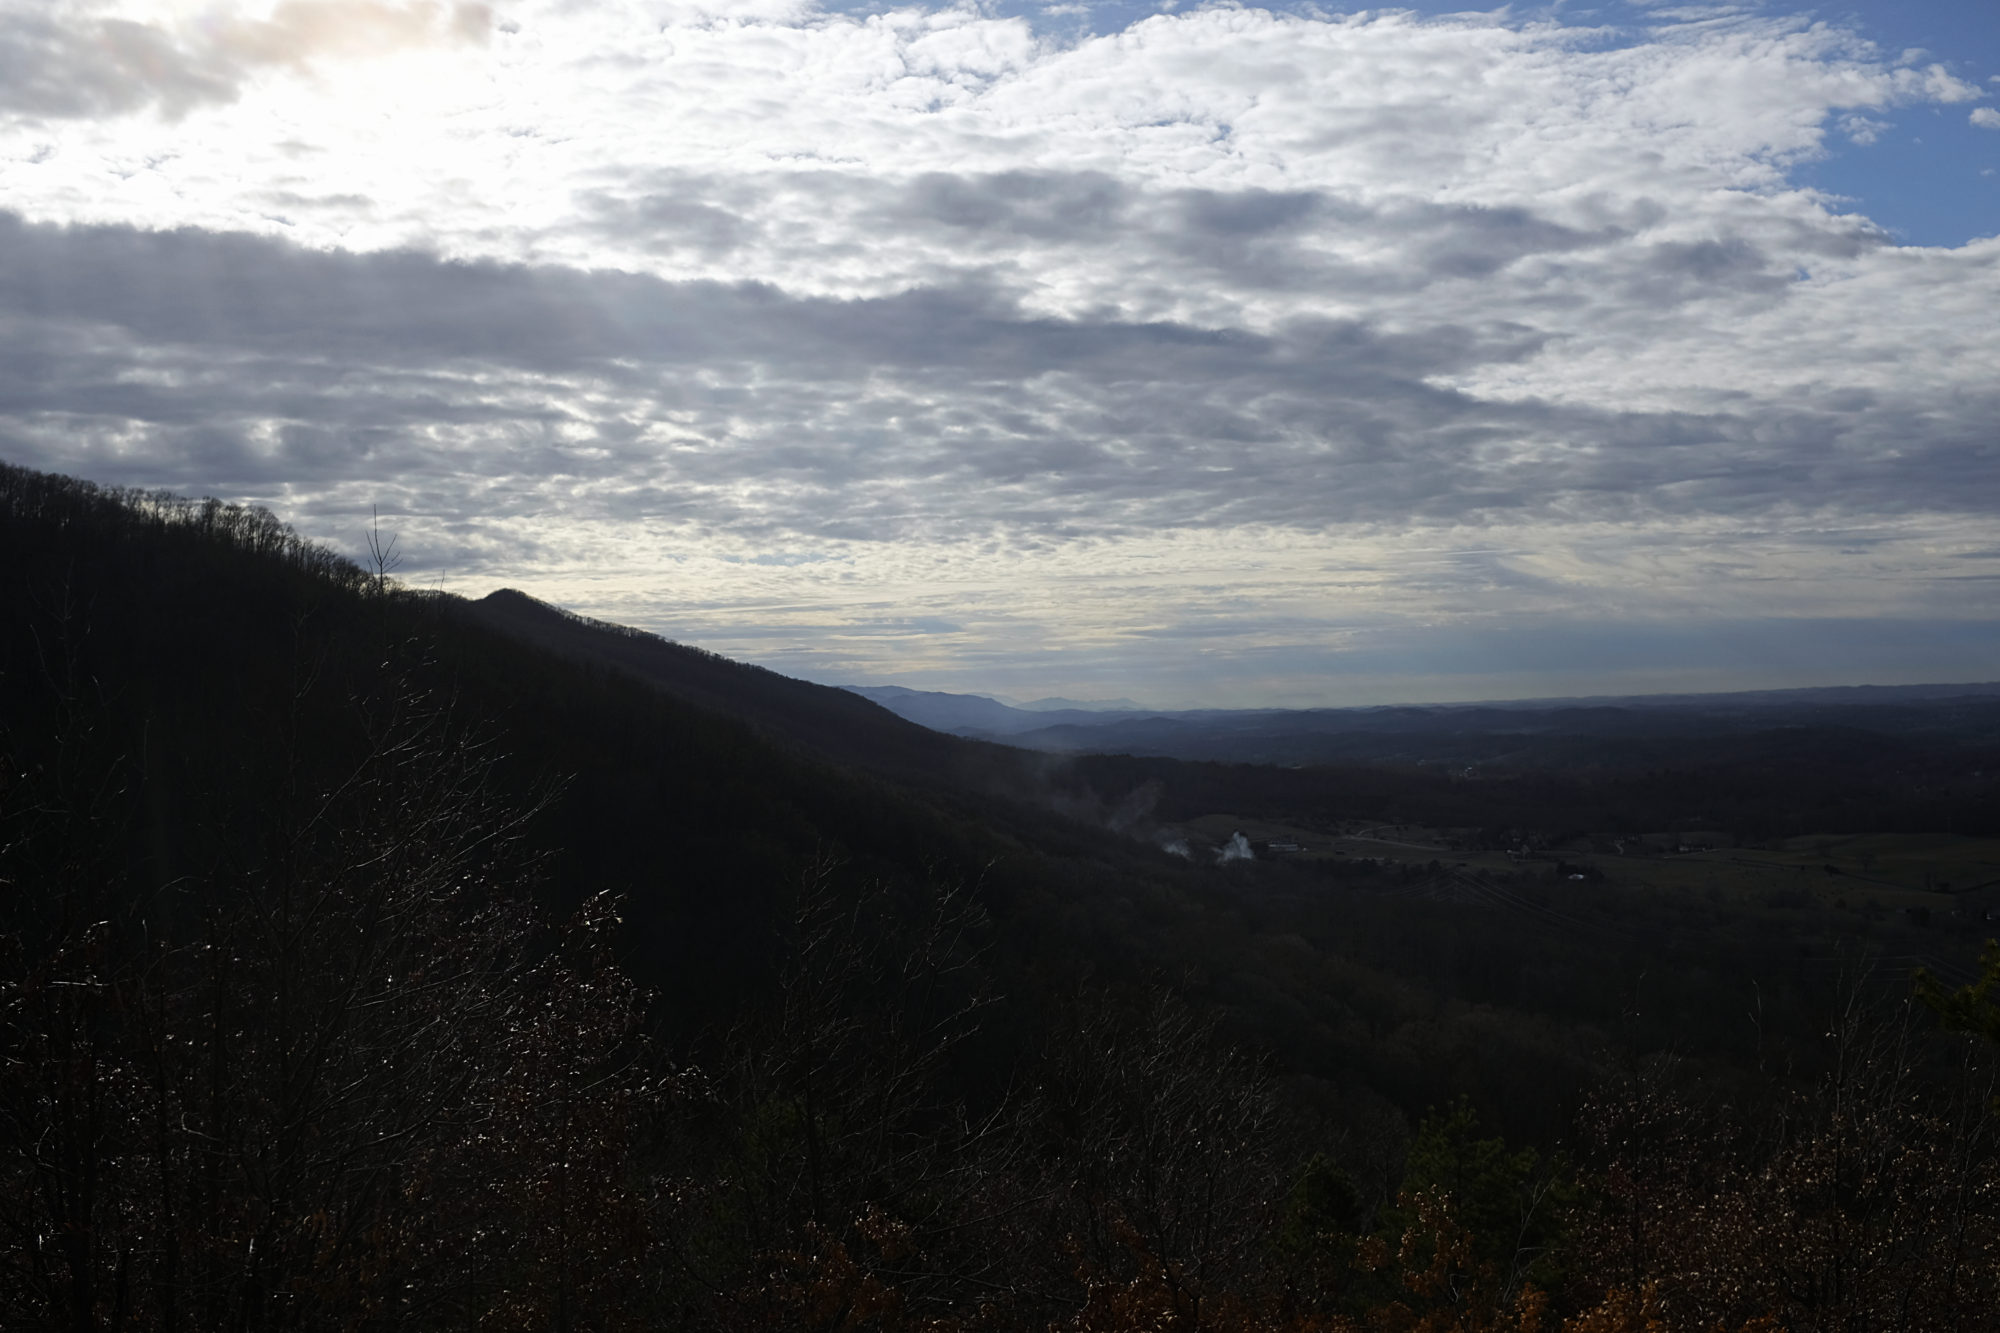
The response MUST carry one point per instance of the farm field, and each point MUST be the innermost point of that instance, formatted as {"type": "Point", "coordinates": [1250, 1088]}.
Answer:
{"type": "Point", "coordinates": [1888, 900]}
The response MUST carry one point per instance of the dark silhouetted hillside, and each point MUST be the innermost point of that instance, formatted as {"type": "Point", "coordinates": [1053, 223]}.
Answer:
{"type": "Point", "coordinates": [375, 959]}
{"type": "Point", "coordinates": [831, 723]}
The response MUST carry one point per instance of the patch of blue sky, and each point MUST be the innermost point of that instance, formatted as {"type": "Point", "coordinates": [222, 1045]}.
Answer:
{"type": "Point", "coordinates": [1929, 174]}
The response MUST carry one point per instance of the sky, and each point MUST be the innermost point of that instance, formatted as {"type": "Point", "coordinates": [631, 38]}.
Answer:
{"type": "Point", "coordinates": [1199, 354]}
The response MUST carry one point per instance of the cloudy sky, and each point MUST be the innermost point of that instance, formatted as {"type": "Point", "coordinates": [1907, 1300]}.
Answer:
{"type": "Point", "coordinates": [1199, 354]}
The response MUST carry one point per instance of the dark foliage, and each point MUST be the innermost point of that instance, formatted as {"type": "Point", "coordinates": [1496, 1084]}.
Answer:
{"type": "Point", "coordinates": [371, 958]}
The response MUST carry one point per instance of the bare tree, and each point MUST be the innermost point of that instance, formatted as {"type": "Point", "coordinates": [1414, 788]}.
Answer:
{"type": "Point", "coordinates": [840, 1173]}
{"type": "Point", "coordinates": [1168, 1160]}
{"type": "Point", "coordinates": [369, 1089]}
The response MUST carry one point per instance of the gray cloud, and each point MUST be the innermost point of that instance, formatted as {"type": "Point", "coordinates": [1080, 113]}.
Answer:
{"type": "Point", "coordinates": [675, 213]}
{"type": "Point", "coordinates": [1259, 237]}
{"type": "Point", "coordinates": [1041, 205]}
{"type": "Point", "coordinates": [1671, 272]}
{"type": "Point", "coordinates": [1465, 242]}
{"type": "Point", "coordinates": [105, 68]}
{"type": "Point", "coordinates": [239, 364]}
{"type": "Point", "coordinates": [84, 67]}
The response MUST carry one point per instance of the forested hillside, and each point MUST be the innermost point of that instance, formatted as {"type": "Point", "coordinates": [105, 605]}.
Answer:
{"type": "Point", "coordinates": [375, 958]}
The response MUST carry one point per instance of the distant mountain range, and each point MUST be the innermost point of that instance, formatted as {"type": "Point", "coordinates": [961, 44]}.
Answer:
{"type": "Point", "coordinates": [1057, 704]}
{"type": "Point", "coordinates": [1620, 731]}
{"type": "Point", "coordinates": [984, 716]}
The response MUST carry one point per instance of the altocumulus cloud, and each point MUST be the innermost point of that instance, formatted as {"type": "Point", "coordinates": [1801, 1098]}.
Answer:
{"type": "Point", "coordinates": [84, 60]}
{"type": "Point", "coordinates": [775, 327]}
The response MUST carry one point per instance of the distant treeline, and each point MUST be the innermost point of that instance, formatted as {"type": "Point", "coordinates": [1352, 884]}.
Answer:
{"type": "Point", "coordinates": [1758, 786]}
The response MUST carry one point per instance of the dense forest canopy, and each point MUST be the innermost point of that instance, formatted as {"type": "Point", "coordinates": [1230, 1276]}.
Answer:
{"type": "Point", "coordinates": [378, 958]}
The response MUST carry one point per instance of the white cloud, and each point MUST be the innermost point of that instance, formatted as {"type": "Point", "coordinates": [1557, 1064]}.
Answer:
{"type": "Point", "coordinates": [1863, 130]}
{"type": "Point", "coordinates": [1986, 118]}
{"type": "Point", "coordinates": [1226, 300]}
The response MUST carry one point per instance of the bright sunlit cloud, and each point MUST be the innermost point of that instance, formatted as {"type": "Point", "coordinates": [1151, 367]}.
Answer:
{"type": "Point", "coordinates": [1247, 356]}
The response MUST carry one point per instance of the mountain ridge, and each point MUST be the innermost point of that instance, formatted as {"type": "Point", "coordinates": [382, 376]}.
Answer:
{"type": "Point", "coordinates": [1616, 731]}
